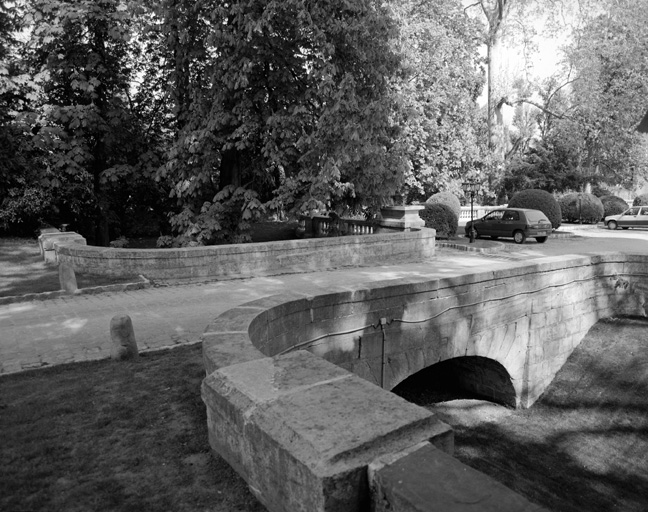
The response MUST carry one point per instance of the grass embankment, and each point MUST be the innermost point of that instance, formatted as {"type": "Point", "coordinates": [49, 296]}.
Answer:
{"type": "Point", "coordinates": [106, 436]}
{"type": "Point", "coordinates": [583, 446]}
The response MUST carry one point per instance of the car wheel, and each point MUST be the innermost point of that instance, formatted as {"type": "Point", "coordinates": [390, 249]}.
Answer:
{"type": "Point", "coordinates": [519, 237]}
{"type": "Point", "coordinates": [541, 239]}
{"type": "Point", "coordinates": [612, 225]}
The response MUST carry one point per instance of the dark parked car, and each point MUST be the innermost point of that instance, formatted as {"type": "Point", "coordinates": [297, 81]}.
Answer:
{"type": "Point", "coordinates": [516, 223]}
{"type": "Point", "coordinates": [635, 217]}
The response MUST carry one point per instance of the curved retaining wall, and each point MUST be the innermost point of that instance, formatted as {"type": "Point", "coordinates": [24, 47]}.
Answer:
{"type": "Point", "coordinates": [293, 387]}
{"type": "Point", "coordinates": [249, 260]}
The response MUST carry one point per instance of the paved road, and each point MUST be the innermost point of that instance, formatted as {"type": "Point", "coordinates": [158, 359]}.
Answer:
{"type": "Point", "coordinates": [76, 328]}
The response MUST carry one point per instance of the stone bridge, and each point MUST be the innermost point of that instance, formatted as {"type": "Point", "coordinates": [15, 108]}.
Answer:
{"type": "Point", "coordinates": [297, 388]}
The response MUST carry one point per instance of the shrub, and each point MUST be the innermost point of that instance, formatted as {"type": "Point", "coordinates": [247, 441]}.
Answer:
{"type": "Point", "coordinates": [537, 199]}
{"type": "Point", "coordinates": [581, 206]}
{"type": "Point", "coordinates": [447, 198]}
{"type": "Point", "coordinates": [441, 217]}
{"type": "Point", "coordinates": [613, 205]}
{"type": "Point", "coordinates": [120, 243]}
{"type": "Point", "coordinates": [640, 200]}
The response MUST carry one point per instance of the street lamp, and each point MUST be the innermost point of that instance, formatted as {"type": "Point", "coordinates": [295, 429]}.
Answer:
{"type": "Point", "coordinates": [471, 186]}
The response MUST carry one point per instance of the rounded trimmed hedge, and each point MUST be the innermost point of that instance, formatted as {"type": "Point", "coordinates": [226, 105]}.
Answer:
{"type": "Point", "coordinates": [441, 217]}
{"type": "Point", "coordinates": [537, 199]}
{"type": "Point", "coordinates": [447, 198]}
{"type": "Point", "coordinates": [581, 207]}
{"type": "Point", "coordinates": [613, 205]}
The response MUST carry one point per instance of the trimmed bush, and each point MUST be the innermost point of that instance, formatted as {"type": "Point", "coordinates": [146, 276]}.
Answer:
{"type": "Point", "coordinates": [640, 200]}
{"type": "Point", "coordinates": [581, 206]}
{"type": "Point", "coordinates": [537, 199]}
{"type": "Point", "coordinates": [441, 217]}
{"type": "Point", "coordinates": [447, 198]}
{"type": "Point", "coordinates": [613, 205]}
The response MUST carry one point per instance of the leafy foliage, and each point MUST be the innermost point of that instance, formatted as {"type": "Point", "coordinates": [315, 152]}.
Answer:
{"type": "Point", "coordinates": [539, 200]}
{"type": "Point", "coordinates": [640, 200]}
{"type": "Point", "coordinates": [225, 220]}
{"type": "Point", "coordinates": [442, 218]}
{"type": "Point", "coordinates": [581, 207]}
{"type": "Point", "coordinates": [613, 205]}
{"type": "Point", "coordinates": [447, 198]}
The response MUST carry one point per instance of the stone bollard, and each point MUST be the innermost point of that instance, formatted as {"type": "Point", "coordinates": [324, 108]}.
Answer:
{"type": "Point", "coordinates": [67, 279]}
{"type": "Point", "coordinates": [124, 345]}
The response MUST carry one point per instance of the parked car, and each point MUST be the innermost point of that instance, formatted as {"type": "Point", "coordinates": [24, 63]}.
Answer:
{"type": "Point", "coordinates": [516, 223]}
{"type": "Point", "coordinates": [635, 217]}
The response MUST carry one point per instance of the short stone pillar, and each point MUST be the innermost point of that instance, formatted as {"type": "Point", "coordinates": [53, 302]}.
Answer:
{"type": "Point", "coordinates": [122, 334]}
{"type": "Point", "coordinates": [67, 278]}
{"type": "Point", "coordinates": [404, 218]}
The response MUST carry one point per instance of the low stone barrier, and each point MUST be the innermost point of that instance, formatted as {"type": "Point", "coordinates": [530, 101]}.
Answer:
{"type": "Point", "coordinates": [249, 260]}
{"type": "Point", "coordinates": [294, 387]}
{"type": "Point", "coordinates": [48, 239]}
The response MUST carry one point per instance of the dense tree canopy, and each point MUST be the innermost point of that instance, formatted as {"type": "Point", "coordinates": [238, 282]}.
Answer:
{"type": "Point", "coordinates": [190, 117]}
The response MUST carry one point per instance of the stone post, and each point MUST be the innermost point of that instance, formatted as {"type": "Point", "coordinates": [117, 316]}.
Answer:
{"type": "Point", "coordinates": [122, 334]}
{"type": "Point", "coordinates": [67, 279]}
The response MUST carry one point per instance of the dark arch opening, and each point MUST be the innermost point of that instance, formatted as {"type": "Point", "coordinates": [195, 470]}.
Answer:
{"type": "Point", "coordinates": [459, 378]}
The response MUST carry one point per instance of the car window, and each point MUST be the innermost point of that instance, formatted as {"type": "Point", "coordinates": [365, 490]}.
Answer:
{"type": "Point", "coordinates": [536, 216]}
{"type": "Point", "coordinates": [496, 215]}
{"type": "Point", "coordinates": [509, 215]}
{"type": "Point", "coordinates": [644, 211]}
{"type": "Point", "coordinates": [632, 211]}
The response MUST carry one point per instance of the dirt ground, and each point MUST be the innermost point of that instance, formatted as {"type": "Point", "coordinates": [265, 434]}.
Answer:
{"type": "Point", "coordinates": [583, 447]}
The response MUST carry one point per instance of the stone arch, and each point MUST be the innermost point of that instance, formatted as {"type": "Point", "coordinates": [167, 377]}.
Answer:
{"type": "Point", "coordinates": [475, 376]}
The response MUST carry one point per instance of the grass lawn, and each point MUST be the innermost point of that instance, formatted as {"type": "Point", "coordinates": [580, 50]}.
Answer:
{"type": "Point", "coordinates": [106, 436]}
{"type": "Point", "coordinates": [583, 446]}
{"type": "Point", "coordinates": [22, 270]}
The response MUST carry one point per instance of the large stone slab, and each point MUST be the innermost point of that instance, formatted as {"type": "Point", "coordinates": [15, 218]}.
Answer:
{"type": "Point", "coordinates": [303, 431]}
{"type": "Point", "coordinates": [425, 479]}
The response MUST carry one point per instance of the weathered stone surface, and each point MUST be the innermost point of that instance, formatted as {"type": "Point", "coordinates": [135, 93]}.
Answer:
{"type": "Point", "coordinates": [124, 345]}
{"type": "Point", "coordinates": [424, 479]}
{"type": "Point", "coordinates": [246, 260]}
{"type": "Point", "coordinates": [67, 278]}
{"type": "Point", "coordinates": [302, 431]}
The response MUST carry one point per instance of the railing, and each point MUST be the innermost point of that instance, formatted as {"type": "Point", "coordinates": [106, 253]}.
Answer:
{"type": "Point", "coordinates": [478, 211]}
{"type": "Point", "coordinates": [320, 226]}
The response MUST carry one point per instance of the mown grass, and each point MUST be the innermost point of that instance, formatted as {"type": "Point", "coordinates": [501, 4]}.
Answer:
{"type": "Point", "coordinates": [22, 270]}
{"type": "Point", "coordinates": [107, 436]}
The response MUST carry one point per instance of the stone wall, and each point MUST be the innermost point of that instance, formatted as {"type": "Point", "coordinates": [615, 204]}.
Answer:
{"type": "Point", "coordinates": [249, 260]}
{"type": "Point", "coordinates": [266, 395]}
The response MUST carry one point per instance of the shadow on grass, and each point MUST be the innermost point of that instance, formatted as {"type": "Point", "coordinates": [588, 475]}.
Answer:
{"type": "Point", "coordinates": [107, 436]}
{"type": "Point", "coordinates": [23, 271]}
{"type": "Point", "coordinates": [583, 447]}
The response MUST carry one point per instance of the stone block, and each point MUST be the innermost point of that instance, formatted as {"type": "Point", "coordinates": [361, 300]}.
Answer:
{"type": "Point", "coordinates": [67, 278]}
{"type": "Point", "coordinates": [122, 335]}
{"type": "Point", "coordinates": [425, 479]}
{"type": "Point", "coordinates": [302, 431]}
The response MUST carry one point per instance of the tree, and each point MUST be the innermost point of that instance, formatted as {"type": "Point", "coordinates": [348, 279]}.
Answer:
{"type": "Point", "coordinates": [439, 83]}
{"type": "Point", "coordinates": [99, 152]}
{"type": "Point", "coordinates": [296, 98]}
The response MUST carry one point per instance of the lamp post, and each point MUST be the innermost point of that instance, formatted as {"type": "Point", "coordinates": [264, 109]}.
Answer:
{"type": "Point", "coordinates": [471, 186]}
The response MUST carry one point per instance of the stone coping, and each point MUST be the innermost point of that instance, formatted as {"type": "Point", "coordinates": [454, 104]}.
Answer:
{"type": "Point", "coordinates": [248, 353]}
{"type": "Point", "coordinates": [251, 260]}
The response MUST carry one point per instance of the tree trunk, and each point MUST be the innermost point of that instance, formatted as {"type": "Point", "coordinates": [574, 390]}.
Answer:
{"type": "Point", "coordinates": [230, 169]}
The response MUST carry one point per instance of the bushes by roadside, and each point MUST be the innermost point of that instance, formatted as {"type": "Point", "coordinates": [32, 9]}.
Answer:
{"type": "Point", "coordinates": [542, 200]}
{"type": "Point", "coordinates": [581, 207]}
{"type": "Point", "coordinates": [442, 218]}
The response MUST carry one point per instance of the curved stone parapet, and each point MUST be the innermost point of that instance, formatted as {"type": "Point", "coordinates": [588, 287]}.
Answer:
{"type": "Point", "coordinates": [251, 260]}
{"type": "Point", "coordinates": [296, 387]}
